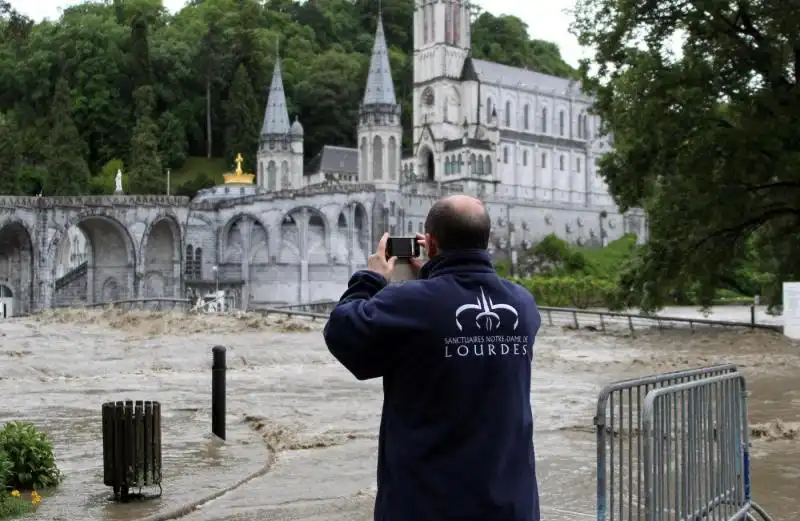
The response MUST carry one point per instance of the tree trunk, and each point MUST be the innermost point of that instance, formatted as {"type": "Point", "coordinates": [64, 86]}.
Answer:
{"type": "Point", "coordinates": [209, 142]}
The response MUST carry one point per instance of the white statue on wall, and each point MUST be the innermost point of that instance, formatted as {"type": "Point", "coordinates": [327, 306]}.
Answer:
{"type": "Point", "coordinates": [118, 182]}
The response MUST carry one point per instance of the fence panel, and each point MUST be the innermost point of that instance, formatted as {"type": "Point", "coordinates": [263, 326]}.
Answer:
{"type": "Point", "coordinates": [696, 457]}
{"type": "Point", "coordinates": [620, 449]}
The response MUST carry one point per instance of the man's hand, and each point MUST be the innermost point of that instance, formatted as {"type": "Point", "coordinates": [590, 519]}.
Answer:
{"type": "Point", "coordinates": [378, 263]}
{"type": "Point", "coordinates": [417, 263]}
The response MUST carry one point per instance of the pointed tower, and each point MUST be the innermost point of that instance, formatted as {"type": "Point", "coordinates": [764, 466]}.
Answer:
{"type": "Point", "coordinates": [380, 133]}
{"type": "Point", "coordinates": [280, 152]}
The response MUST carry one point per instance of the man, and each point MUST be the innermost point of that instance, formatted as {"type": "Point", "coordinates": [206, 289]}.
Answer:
{"type": "Point", "coordinates": [454, 350]}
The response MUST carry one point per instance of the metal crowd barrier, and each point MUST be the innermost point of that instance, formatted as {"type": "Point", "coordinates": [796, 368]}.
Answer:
{"type": "Point", "coordinates": [620, 451]}
{"type": "Point", "coordinates": [675, 447]}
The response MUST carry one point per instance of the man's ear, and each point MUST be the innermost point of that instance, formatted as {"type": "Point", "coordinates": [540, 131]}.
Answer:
{"type": "Point", "coordinates": [432, 246]}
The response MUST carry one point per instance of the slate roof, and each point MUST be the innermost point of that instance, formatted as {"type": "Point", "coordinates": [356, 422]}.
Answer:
{"type": "Point", "coordinates": [516, 78]}
{"type": "Point", "coordinates": [276, 116]}
{"type": "Point", "coordinates": [334, 159]}
{"type": "Point", "coordinates": [380, 89]}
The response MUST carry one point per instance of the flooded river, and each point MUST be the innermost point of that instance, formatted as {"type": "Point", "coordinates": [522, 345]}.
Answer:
{"type": "Point", "coordinates": [57, 369]}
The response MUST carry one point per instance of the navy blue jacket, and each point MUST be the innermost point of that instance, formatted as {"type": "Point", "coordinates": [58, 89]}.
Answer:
{"type": "Point", "coordinates": [454, 350]}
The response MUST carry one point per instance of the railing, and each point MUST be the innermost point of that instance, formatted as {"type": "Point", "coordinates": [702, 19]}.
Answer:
{"type": "Point", "coordinates": [75, 273]}
{"type": "Point", "coordinates": [586, 318]}
{"type": "Point", "coordinates": [675, 447]}
{"type": "Point", "coordinates": [146, 304]}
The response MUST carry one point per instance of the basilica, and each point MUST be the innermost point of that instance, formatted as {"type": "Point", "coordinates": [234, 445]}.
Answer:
{"type": "Point", "coordinates": [292, 232]}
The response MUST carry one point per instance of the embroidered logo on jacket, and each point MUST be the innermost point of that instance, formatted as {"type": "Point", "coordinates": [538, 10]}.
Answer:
{"type": "Point", "coordinates": [487, 317]}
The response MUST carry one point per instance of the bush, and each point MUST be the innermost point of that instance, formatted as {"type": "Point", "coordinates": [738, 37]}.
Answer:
{"type": "Point", "coordinates": [577, 292]}
{"type": "Point", "coordinates": [31, 463]}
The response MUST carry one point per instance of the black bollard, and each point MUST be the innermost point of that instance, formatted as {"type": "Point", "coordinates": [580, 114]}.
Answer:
{"type": "Point", "coordinates": [218, 391]}
{"type": "Point", "coordinates": [752, 315]}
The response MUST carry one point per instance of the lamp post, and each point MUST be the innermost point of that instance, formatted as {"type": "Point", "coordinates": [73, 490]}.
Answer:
{"type": "Point", "coordinates": [215, 269]}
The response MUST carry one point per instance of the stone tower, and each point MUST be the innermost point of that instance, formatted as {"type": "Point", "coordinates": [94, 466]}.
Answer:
{"type": "Point", "coordinates": [280, 151]}
{"type": "Point", "coordinates": [380, 134]}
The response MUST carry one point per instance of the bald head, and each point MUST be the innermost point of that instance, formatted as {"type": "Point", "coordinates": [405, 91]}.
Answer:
{"type": "Point", "coordinates": [458, 222]}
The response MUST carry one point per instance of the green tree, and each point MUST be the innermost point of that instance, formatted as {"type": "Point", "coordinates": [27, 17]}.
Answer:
{"type": "Point", "coordinates": [68, 173]}
{"type": "Point", "coordinates": [242, 120]}
{"type": "Point", "coordinates": [141, 68]}
{"type": "Point", "coordinates": [705, 136]}
{"type": "Point", "coordinates": [9, 156]}
{"type": "Point", "coordinates": [146, 176]}
{"type": "Point", "coordinates": [172, 140]}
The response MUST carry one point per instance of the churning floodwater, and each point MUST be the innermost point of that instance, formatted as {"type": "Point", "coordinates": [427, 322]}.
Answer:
{"type": "Point", "coordinates": [58, 368]}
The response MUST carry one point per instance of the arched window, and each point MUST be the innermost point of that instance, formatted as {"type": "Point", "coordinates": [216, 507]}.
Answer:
{"type": "Point", "coordinates": [578, 164]}
{"type": "Point", "coordinates": [457, 13]}
{"type": "Point", "coordinates": [505, 155]}
{"type": "Point", "coordinates": [198, 263]}
{"type": "Point", "coordinates": [363, 167]}
{"type": "Point", "coordinates": [447, 166]}
{"type": "Point", "coordinates": [272, 175]}
{"type": "Point", "coordinates": [580, 126]}
{"type": "Point", "coordinates": [527, 117]}
{"type": "Point", "coordinates": [508, 113]}
{"type": "Point", "coordinates": [561, 123]}
{"type": "Point", "coordinates": [561, 163]}
{"type": "Point", "coordinates": [480, 166]}
{"type": "Point", "coordinates": [488, 165]}
{"type": "Point", "coordinates": [488, 109]}
{"type": "Point", "coordinates": [544, 160]}
{"type": "Point", "coordinates": [285, 184]}
{"type": "Point", "coordinates": [586, 134]}
{"type": "Point", "coordinates": [425, 24]}
{"type": "Point", "coordinates": [393, 158]}
{"type": "Point", "coordinates": [377, 158]}
{"type": "Point", "coordinates": [460, 163]}
{"type": "Point", "coordinates": [544, 120]}
{"type": "Point", "coordinates": [410, 227]}
{"type": "Point", "coordinates": [448, 25]}
{"type": "Point", "coordinates": [524, 158]}
{"type": "Point", "coordinates": [188, 268]}
{"type": "Point", "coordinates": [473, 167]}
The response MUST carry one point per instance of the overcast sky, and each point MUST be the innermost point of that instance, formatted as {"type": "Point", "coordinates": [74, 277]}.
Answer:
{"type": "Point", "coordinates": [547, 20]}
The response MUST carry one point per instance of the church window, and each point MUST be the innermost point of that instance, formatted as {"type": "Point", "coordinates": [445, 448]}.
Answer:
{"type": "Point", "coordinates": [480, 166]}
{"type": "Point", "coordinates": [586, 128]}
{"type": "Point", "coordinates": [363, 153]}
{"type": "Point", "coordinates": [197, 267]}
{"type": "Point", "coordinates": [544, 160]}
{"type": "Point", "coordinates": [377, 158]}
{"type": "Point", "coordinates": [285, 175]}
{"type": "Point", "coordinates": [432, 22]}
{"type": "Point", "coordinates": [272, 175]}
{"type": "Point", "coordinates": [460, 163]}
{"type": "Point", "coordinates": [260, 179]}
{"type": "Point", "coordinates": [488, 109]}
{"type": "Point", "coordinates": [410, 227]}
{"type": "Point", "coordinates": [448, 23]}
{"type": "Point", "coordinates": [561, 163]}
{"type": "Point", "coordinates": [527, 117]}
{"type": "Point", "coordinates": [580, 126]}
{"type": "Point", "coordinates": [472, 165]}
{"type": "Point", "coordinates": [505, 155]}
{"type": "Point", "coordinates": [420, 228]}
{"type": "Point", "coordinates": [561, 123]}
{"type": "Point", "coordinates": [578, 164]}
{"type": "Point", "coordinates": [457, 13]}
{"type": "Point", "coordinates": [508, 113]}
{"type": "Point", "coordinates": [524, 158]}
{"type": "Point", "coordinates": [393, 155]}
{"type": "Point", "coordinates": [447, 166]}
{"type": "Point", "coordinates": [425, 24]}
{"type": "Point", "coordinates": [488, 165]}
{"type": "Point", "coordinates": [188, 269]}
{"type": "Point", "coordinates": [544, 120]}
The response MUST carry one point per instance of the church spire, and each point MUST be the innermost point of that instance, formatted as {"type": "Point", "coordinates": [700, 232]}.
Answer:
{"type": "Point", "coordinates": [276, 117]}
{"type": "Point", "coordinates": [380, 89]}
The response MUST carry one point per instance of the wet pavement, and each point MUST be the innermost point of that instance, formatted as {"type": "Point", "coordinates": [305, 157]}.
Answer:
{"type": "Point", "coordinates": [283, 384]}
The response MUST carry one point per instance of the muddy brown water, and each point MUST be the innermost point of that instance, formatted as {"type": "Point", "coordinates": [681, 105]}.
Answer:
{"type": "Point", "coordinates": [58, 368]}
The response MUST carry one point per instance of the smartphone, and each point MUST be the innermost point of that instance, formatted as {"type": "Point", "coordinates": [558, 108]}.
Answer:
{"type": "Point", "coordinates": [402, 247]}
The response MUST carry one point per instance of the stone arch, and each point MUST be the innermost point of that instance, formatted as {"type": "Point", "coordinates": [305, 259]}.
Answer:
{"type": "Point", "coordinates": [160, 258]}
{"type": "Point", "coordinates": [229, 236]}
{"type": "Point", "coordinates": [377, 158]}
{"type": "Point", "coordinates": [111, 254]}
{"type": "Point", "coordinates": [304, 236]}
{"type": "Point", "coordinates": [17, 261]}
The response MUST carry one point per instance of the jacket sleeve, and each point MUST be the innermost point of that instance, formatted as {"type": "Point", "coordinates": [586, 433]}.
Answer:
{"type": "Point", "coordinates": [367, 324]}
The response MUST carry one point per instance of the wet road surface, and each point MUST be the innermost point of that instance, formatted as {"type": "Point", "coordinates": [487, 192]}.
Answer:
{"type": "Point", "coordinates": [323, 423]}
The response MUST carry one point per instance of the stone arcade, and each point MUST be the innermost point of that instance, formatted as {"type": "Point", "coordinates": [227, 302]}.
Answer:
{"type": "Point", "coordinates": [521, 141]}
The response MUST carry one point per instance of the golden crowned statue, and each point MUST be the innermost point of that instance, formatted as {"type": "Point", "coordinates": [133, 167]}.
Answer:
{"type": "Point", "coordinates": [238, 177]}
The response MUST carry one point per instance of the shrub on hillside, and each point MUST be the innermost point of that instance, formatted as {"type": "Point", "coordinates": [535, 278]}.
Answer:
{"type": "Point", "coordinates": [577, 292]}
{"type": "Point", "coordinates": [30, 454]}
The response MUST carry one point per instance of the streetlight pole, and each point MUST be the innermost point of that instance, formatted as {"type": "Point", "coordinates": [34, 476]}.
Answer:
{"type": "Point", "coordinates": [168, 179]}
{"type": "Point", "coordinates": [215, 269]}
